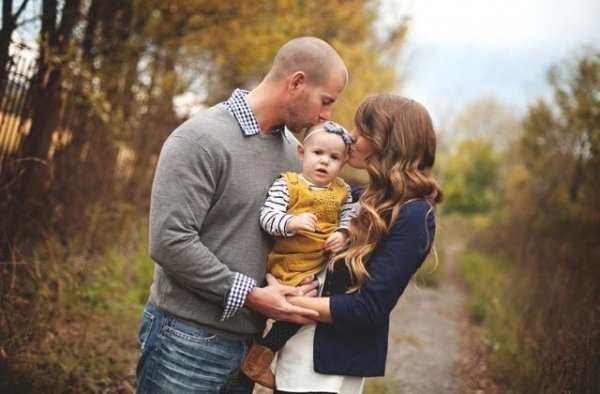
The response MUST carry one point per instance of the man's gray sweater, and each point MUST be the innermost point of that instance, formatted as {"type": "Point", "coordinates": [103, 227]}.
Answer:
{"type": "Point", "coordinates": [209, 186]}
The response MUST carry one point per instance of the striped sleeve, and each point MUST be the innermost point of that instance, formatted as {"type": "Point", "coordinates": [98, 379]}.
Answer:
{"type": "Point", "coordinates": [348, 211]}
{"type": "Point", "coordinates": [273, 216]}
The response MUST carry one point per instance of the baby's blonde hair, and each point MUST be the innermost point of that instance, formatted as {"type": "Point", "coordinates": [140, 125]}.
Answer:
{"type": "Point", "coordinates": [329, 127]}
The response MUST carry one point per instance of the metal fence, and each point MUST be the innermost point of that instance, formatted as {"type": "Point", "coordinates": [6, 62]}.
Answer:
{"type": "Point", "coordinates": [89, 153]}
{"type": "Point", "coordinates": [15, 109]}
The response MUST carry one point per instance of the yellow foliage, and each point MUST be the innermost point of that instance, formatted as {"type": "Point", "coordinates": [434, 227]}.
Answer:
{"type": "Point", "coordinates": [232, 45]}
{"type": "Point", "coordinates": [516, 183]}
{"type": "Point", "coordinates": [226, 46]}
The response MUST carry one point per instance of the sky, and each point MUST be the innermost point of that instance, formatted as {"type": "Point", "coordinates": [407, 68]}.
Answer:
{"type": "Point", "coordinates": [460, 51]}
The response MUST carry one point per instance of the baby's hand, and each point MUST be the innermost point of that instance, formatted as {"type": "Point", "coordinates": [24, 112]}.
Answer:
{"type": "Point", "coordinates": [304, 221]}
{"type": "Point", "coordinates": [336, 241]}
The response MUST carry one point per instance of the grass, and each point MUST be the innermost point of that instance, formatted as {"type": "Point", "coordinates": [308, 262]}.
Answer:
{"type": "Point", "coordinates": [71, 325]}
{"type": "Point", "coordinates": [535, 294]}
{"type": "Point", "coordinates": [493, 305]}
{"type": "Point", "coordinates": [488, 280]}
{"type": "Point", "coordinates": [431, 272]}
{"type": "Point", "coordinates": [449, 230]}
{"type": "Point", "coordinates": [382, 386]}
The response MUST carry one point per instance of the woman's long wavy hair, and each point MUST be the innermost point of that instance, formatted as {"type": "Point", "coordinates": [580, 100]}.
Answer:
{"type": "Point", "coordinates": [400, 169]}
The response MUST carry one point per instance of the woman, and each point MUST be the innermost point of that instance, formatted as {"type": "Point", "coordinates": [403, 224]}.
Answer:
{"type": "Point", "coordinates": [390, 238]}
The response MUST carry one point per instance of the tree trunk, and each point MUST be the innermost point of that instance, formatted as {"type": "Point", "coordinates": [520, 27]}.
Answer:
{"type": "Point", "coordinates": [46, 106]}
{"type": "Point", "coordinates": [8, 26]}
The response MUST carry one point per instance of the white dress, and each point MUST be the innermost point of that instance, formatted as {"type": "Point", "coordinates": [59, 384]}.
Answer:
{"type": "Point", "coordinates": [295, 370]}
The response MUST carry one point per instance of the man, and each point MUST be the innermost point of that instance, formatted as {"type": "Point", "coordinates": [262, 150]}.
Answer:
{"type": "Point", "coordinates": [205, 306]}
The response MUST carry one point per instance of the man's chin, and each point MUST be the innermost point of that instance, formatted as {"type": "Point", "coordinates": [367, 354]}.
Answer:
{"type": "Point", "coordinates": [297, 130]}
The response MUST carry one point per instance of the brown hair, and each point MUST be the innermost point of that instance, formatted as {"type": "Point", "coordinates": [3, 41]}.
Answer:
{"type": "Point", "coordinates": [400, 169]}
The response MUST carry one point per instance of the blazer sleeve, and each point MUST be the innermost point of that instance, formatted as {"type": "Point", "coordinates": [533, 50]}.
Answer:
{"type": "Point", "coordinates": [390, 268]}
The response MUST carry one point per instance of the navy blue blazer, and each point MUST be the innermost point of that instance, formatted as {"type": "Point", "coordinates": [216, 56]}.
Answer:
{"type": "Point", "coordinates": [356, 343]}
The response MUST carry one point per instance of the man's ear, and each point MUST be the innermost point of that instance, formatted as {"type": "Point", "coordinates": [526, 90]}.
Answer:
{"type": "Point", "coordinates": [297, 81]}
{"type": "Point", "coordinates": [300, 152]}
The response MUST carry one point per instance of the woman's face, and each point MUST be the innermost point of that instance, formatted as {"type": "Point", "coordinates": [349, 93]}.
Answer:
{"type": "Point", "coordinates": [360, 149]}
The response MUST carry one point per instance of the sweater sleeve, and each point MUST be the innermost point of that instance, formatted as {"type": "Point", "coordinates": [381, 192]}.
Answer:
{"type": "Point", "coordinates": [390, 268]}
{"type": "Point", "coordinates": [185, 184]}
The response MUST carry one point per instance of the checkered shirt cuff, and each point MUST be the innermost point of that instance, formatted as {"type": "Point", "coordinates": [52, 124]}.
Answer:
{"type": "Point", "coordinates": [236, 298]}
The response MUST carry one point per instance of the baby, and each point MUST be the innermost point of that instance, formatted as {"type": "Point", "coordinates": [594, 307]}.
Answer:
{"type": "Point", "coordinates": [309, 214]}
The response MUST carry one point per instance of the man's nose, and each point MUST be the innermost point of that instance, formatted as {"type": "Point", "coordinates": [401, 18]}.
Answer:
{"type": "Point", "coordinates": [325, 114]}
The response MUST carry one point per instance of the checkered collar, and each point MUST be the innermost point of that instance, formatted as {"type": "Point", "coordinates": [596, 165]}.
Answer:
{"type": "Point", "coordinates": [239, 108]}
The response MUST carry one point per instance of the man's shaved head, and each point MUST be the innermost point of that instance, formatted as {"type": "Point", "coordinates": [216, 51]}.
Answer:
{"type": "Point", "coordinates": [315, 57]}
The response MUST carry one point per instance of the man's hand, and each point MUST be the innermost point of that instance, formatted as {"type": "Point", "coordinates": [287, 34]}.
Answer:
{"type": "Point", "coordinates": [271, 302]}
{"type": "Point", "coordinates": [336, 241]}
{"type": "Point", "coordinates": [304, 221]}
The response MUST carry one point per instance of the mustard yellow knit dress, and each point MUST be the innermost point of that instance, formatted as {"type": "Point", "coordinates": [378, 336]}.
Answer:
{"type": "Point", "coordinates": [294, 258]}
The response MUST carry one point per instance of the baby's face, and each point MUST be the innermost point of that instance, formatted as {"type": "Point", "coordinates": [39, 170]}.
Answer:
{"type": "Point", "coordinates": [323, 156]}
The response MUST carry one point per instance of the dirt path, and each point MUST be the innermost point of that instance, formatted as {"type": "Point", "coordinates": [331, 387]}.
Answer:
{"type": "Point", "coordinates": [425, 335]}
{"type": "Point", "coordinates": [434, 346]}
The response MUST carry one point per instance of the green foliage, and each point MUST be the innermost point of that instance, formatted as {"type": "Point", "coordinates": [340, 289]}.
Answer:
{"type": "Point", "coordinates": [471, 161]}
{"type": "Point", "coordinates": [493, 303]}
{"type": "Point", "coordinates": [470, 178]}
{"type": "Point", "coordinates": [488, 280]}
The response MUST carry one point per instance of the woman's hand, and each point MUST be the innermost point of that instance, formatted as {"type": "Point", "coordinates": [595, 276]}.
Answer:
{"type": "Point", "coordinates": [309, 287]}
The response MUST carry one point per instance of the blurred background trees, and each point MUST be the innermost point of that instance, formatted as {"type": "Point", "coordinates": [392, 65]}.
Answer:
{"type": "Point", "coordinates": [102, 96]}
{"type": "Point", "coordinates": [551, 230]}
{"type": "Point", "coordinates": [537, 192]}
{"type": "Point", "coordinates": [90, 90]}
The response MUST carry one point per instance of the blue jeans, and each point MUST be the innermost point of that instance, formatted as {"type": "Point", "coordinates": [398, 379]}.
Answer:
{"type": "Point", "coordinates": [177, 357]}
